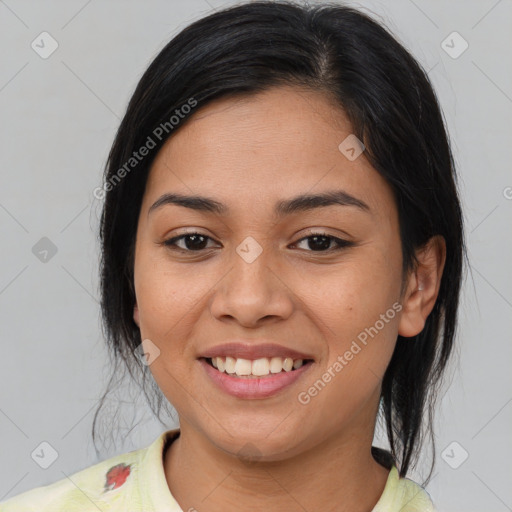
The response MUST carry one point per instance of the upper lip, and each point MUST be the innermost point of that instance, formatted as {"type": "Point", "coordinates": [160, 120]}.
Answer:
{"type": "Point", "coordinates": [243, 350]}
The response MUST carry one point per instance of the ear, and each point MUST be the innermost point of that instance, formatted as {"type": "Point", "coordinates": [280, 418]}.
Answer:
{"type": "Point", "coordinates": [136, 314]}
{"type": "Point", "coordinates": [422, 287]}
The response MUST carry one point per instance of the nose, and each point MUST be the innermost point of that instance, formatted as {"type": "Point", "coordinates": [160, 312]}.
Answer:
{"type": "Point", "coordinates": [253, 292]}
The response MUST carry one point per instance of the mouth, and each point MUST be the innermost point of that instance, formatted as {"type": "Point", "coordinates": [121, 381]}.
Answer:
{"type": "Point", "coordinates": [262, 367]}
{"type": "Point", "coordinates": [254, 378]}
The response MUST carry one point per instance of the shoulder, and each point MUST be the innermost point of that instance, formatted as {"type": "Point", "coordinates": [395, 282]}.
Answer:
{"type": "Point", "coordinates": [402, 494]}
{"type": "Point", "coordinates": [92, 488]}
{"type": "Point", "coordinates": [108, 486]}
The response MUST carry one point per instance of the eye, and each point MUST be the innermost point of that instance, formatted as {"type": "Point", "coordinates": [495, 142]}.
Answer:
{"type": "Point", "coordinates": [194, 242]}
{"type": "Point", "coordinates": [321, 242]}
{"type": "Point", "coordinates": [318, 242]}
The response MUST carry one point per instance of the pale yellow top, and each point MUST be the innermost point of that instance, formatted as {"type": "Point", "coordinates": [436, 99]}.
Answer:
{"type": "Point", "coordinates": [135, 482]}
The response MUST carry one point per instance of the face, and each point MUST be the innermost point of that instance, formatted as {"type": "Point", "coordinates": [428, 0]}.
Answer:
{"type": "Point", "coordinates": [313, 281]}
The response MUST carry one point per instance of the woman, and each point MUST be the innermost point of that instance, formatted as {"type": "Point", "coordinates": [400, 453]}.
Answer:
{"type": "Point", "coordinates": [282, 250]}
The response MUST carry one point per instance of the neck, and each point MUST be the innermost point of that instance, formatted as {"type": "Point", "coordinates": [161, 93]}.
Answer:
{"type": "Point", "coordinates": [338, 474]}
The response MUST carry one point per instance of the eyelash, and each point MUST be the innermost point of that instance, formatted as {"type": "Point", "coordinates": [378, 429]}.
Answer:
{"type": "Point", "coordinates": [341, 244]}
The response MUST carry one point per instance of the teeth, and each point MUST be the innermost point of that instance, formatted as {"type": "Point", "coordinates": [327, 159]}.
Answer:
{"type": "Point", "coordinates": [229, 366]}
{"type": "Point", "coordinates": [260, 367]}
{"type": "Point", "coordinates": [257, 368]}
{"type": "Point", "coordinates": [243, 367]}
{"type": "Point", "coordinates": [297, 363]}
{"type": "Point", "coordinates": [288, 364]}
{"type": "Point", "coordinates": [276, 365]}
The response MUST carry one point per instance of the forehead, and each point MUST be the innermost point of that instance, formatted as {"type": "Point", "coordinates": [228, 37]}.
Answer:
{"type": "Point", "coordinates": [278, 143]}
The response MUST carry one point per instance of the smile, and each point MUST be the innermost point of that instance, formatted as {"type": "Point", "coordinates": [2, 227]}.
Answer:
{"type": "Point", "coordinates": [255, 368]}
{"type": "Point", "coordinates": [254, 379]}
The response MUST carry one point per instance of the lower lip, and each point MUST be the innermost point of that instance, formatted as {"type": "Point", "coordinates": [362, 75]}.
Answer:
{"type": "Point", "coordinates": [263, 387]}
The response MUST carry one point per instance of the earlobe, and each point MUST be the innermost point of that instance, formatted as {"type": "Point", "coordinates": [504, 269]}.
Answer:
{"type": "Point", "coordinates": [422, 287]}
{"type": "Point", "coordinates": [136, 315]}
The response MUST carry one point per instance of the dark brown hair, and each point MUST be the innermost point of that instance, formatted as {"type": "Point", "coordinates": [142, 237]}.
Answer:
{"type": "Point", "coordinates": [393, 109]}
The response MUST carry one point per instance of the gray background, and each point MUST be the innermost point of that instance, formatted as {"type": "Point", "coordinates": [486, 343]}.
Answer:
{"type": "Point", "coordinates": [59, 116]}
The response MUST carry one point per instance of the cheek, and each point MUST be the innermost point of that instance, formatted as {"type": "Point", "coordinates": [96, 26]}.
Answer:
{"type": "Point", "coordinates": [163, 297]}
{"type": "Point", "coordinates": [166, 305]}
{"type": "Point", "coordinates": [166, 309]}
{"type": "Point", "coordinates": [358, 311]}
{"type": "Point", "coordinates": [355, 294]}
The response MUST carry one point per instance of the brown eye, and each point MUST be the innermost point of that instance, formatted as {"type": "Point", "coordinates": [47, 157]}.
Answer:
{"type": "Point", "coordinates": [316, 242]}
{"type": "Point", "coordinates": [321, 242]}
{"type": "Point", "coordinates": [193, 242]}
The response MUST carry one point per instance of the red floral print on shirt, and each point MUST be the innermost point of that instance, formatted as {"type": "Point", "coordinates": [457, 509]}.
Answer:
{"type": "Point", "coordinates": [116, 476]}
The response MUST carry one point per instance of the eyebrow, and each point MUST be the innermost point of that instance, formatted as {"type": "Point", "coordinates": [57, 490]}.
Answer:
{"type": "Point", "coordinates": [301, 203]}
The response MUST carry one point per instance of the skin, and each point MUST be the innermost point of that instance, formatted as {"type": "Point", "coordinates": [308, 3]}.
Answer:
{"type": "Point", "coordinates": [249, 153]}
